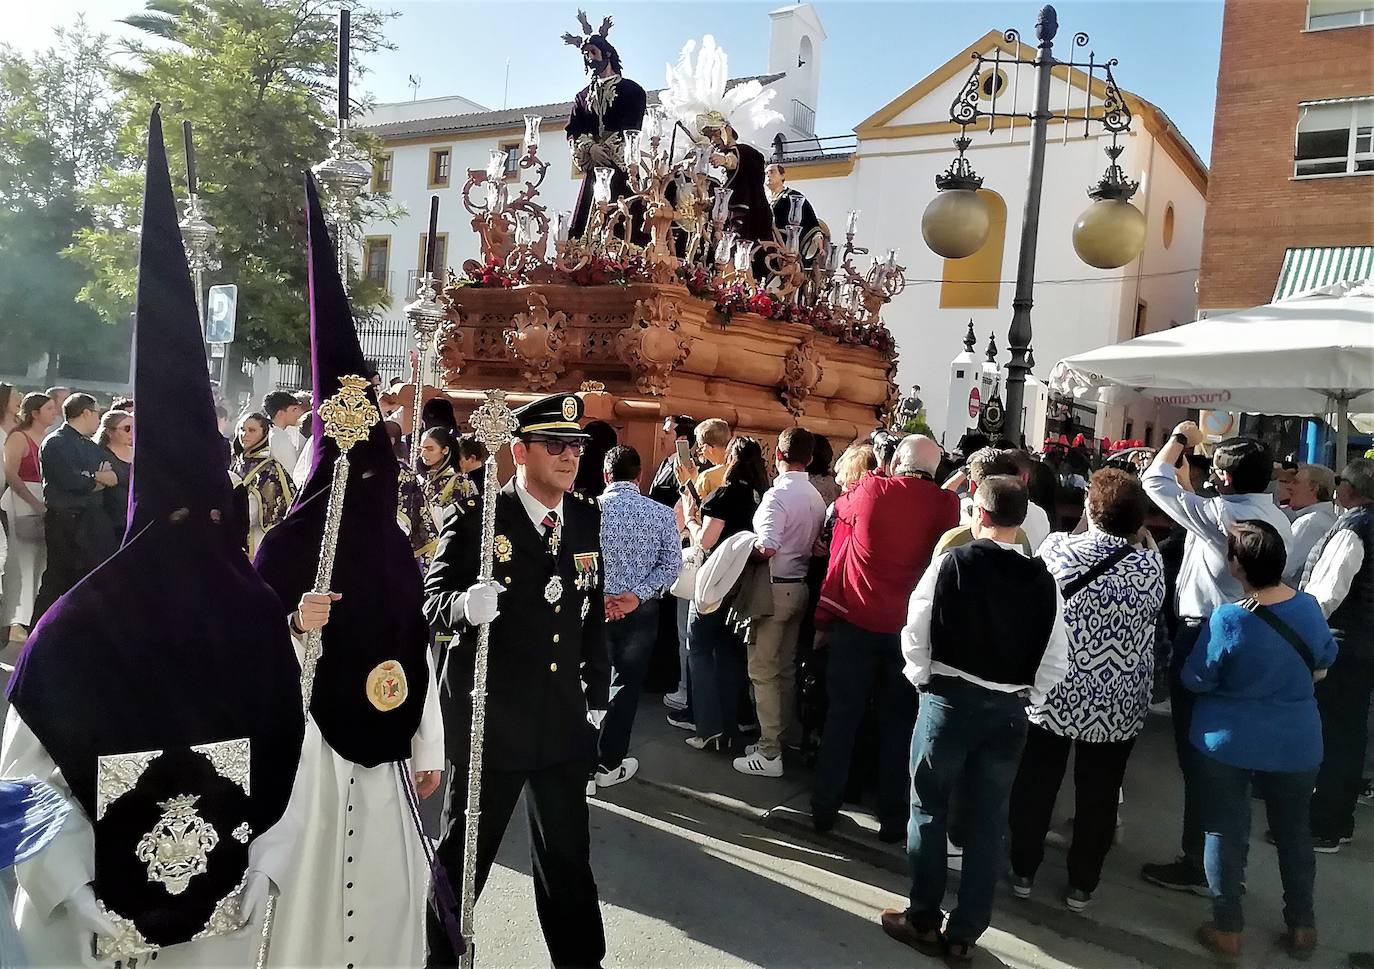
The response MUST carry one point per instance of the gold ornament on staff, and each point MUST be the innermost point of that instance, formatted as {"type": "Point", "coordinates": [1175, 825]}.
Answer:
{"type": "Point", "coordinates": [348, 417]}
{"type": "Point", "coordinates": [495, 425]}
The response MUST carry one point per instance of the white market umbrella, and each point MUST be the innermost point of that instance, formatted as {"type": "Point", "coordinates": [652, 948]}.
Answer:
{"type": "Point", "coordinates": [1311, 354]}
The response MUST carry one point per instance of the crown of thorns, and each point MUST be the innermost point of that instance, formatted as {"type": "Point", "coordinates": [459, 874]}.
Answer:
{"type": "Point", "coordinates": [587, 33]}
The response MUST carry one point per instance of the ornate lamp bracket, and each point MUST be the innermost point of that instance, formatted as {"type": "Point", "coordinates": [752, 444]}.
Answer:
{"type": "Point", "coordinates": [960, 173]}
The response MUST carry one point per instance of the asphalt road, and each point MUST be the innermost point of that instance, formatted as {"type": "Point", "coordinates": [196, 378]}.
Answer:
{"type": "Point", "coordinates": [685, 885]}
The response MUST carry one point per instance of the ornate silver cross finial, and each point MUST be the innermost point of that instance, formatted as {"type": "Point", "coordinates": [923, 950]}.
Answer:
{"type": "Point", "coordinates": [493, 421]}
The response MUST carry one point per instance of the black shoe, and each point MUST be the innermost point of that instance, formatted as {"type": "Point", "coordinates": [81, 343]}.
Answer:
{"type": "Point", "coordinates": [823, 821]}
{"type": "Point", "coordinates": [892, 836]}
{"type": "Point", "coordinates": [1178, 876]}
{"type": "Point", "coordinates": [1328, 846]}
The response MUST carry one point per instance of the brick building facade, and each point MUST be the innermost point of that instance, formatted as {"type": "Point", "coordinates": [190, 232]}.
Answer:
{"type": "Point", "coordinates": [1292, 149]}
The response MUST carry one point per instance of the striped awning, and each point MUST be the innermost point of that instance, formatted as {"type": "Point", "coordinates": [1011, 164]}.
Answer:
{"type": "Point", "coordinates": [1312, 268]}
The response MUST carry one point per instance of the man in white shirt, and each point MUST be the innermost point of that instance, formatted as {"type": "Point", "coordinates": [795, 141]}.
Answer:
{"type": "Point", "coordinates": [1314, 512]}
{"type": "Point", "coordinates": [985, 633]}
{"type": "Point", "coordinates": [284, 438]}
{"type": "Point", "coordinates": [1341, 578]}
{"type": "Point", "coordinates": [1242, 469]}
{"type": "Point", "coordinates": [787, 524]}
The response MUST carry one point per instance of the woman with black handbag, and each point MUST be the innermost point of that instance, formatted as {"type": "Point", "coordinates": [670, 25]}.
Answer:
{"type": "Point", "coordinates": [1256, 721]}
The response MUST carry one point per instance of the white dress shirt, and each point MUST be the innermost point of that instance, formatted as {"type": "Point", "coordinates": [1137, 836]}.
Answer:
{"type": "Point", "coordinates": [285, 444]}
{"type": "Point", "coordinates": [1036, 526]}
{"type": "Point", "coordinates": [1309, 526]}
{"type": "Point", "coordinates": [1332, 574]}
{"type": "Point", "coordinates": [788, 521]}
{"type": "Point", "coordinates": [1203, 580]}
{"type": "Point", "coordinates": [536, 509]}
{"type": "Point", "coordinates": [1054, 664]}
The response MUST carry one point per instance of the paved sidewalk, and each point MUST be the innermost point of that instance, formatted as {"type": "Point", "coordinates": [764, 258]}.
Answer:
{"type": "Point", "coordinates": [1127, 915]}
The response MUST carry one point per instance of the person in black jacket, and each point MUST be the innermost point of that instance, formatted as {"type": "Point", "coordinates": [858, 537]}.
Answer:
{"type": "Point", "coordinates": [548, 682]}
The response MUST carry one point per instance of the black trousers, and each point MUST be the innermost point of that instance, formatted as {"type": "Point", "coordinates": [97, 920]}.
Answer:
{"type": "Point", "coordinates": [78, 540]}
{"type": "Point", "coordinates": [560, 848]}
{"type": "Point", "coordinates": [1182, 700]}
{"type": "Point", "coordinates": [1343, 699]}
{"type": "Point", "coordinates": [1098, 769]}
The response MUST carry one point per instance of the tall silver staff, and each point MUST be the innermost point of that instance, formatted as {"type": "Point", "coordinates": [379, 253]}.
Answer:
{"type": "Point", "coordinates": [347, 417]}
{"type": "Point", "coordinates": [494, 424]}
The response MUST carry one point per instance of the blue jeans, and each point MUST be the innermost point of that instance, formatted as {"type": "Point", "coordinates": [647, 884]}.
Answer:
{"type": "Point", "coordinates": [969, 737]}
{"type": "Point", "coordinates": [864, 664]}
{"type": "Point", "coordinates": [1226, 810]}
{"type": "Point", "coordinates": [630, 642]}
{"type": "Point", "coordinates": [715, 665]}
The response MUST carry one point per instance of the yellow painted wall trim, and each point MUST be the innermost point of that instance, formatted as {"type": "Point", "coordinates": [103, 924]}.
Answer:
{"type": "Point", "coordinates": [835, 168]}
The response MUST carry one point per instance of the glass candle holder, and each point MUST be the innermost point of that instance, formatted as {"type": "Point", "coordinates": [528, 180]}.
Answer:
{"type": "Point", "coordinates": [793, 241]}
{"type": "Point", "coordinates": [601, 187]}
{"type": "Point", "coordinates": [655, 121]}
{"type": "Point", "coordinates": [744, 254]}
{"type": "Point", "coordinates": [834, 256]}
{"type": "Point", "coordinates": [891, 263]}
{"type": "Point", "coordinates": [703, 160]}
{"type": "Point", "coordinates": [562, 226]}
{"type": "Point", "coordinates": [632, 158]}
{"type": "Point", "coordinates": [794, 209]}
{"type": "Point", "coordinates": [532, 131]}
{"type": "Point", "coordinates": [851, 222]}
{"type": "Point", "coordinates": [525, 229]}
{"type": "Point", "coordinates": [724, 247]}
{"type": "Point", "coordinates": [496, 163]}
{"type": "Point", "coordinates": [720, 208]}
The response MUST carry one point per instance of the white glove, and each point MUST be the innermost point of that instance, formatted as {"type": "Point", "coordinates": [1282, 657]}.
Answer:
{"type": "Point", "coordinates": [479, 603]}
{"type": "Point", "coordinates": [257, 888]}
{"type": "Point", "coordinates": [89, 922]}
{"type": "Point", "coordinates": [594, 717]}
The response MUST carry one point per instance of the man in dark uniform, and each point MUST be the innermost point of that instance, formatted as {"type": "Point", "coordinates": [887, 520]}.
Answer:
{"type": "Point", "coordinates": [548, 681]}
{"type": "Point", "coordinates": [602, 112]}
{"type": "Point", "coordinates": [782, 195]}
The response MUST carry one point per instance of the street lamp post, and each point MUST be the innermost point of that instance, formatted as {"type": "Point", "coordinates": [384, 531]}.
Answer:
{"type": "Point", "coordinates": [343, 173]}
{"type": "Point", "coordinates": [197, 234]}
{"type": "Point", "coordinates": [1109, 234]}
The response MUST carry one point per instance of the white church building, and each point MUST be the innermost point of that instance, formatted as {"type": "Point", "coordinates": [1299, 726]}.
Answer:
{"type": "Point", "coordinates": [886, 170]}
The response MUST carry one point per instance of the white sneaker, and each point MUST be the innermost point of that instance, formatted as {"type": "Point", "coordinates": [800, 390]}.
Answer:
{"type": "Point", "coordinates": [758, 765]}
{"type": "Point", "coordinates": [675, 701]}
{"type": "Point", "coordinates": [618, 775]}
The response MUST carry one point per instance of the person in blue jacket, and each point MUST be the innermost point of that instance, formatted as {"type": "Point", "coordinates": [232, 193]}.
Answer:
{"type": "Point", "coordinates": [1256, 721]}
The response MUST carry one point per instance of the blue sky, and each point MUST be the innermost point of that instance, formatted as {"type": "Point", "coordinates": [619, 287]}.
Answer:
{"type": "Point", "coordinates": [1168, 49]}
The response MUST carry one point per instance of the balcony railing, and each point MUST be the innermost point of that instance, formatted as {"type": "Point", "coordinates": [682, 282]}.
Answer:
{"type": "Point", "coordinates": [813, 149]}
{"type": "Point", "coordinates": [803, 117]}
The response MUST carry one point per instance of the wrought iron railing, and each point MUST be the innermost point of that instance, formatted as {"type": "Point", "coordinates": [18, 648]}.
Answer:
{"type": "Point", "coordinates": [803, 117]}
{"type": "Point", "coordinates": [812, 149]}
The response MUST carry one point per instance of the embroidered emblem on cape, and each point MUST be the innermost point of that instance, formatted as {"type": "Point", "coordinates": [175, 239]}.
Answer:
{"type": "Point", "coordinates": [503, 548]}
{"type": "Point", "coordinates": [387, 688]}
{"type": "Point", "coordinates": [554, 590]}
{"type": "Point", "coordinates": [178, 847]}
{"type": "Point", "coordinates": [242, 833]}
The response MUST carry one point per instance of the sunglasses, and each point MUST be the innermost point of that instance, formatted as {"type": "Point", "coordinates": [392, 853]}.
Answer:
{"type": "Point", "coordinates": [555, 447]}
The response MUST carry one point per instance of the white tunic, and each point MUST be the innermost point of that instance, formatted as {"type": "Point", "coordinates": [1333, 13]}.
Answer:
{"type": "Point", "coordinates": [356, 893]}
{"type": "Point", "coordinates": [59, 870]}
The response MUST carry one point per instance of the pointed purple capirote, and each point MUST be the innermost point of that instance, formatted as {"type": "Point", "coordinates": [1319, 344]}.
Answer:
{"type": "Point", "coordinates": [378, 620]}
{"type": "Point", "coordinates": [174, 641]}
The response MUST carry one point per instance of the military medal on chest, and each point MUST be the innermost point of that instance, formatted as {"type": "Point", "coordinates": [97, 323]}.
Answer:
{"type": "Point", "coordinates": [586, 565]}
{"type": "Point", "coordinates": [554, 590]}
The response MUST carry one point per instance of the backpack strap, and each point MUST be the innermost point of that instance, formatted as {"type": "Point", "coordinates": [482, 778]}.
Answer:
{"type": "Point", "coordinates": [1081, 582]}
{"type": "Point", "coordinates": [1283, 629]}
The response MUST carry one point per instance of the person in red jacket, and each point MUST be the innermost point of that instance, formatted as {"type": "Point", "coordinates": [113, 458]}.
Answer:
{"type": "Point", "coordinates": [886, 528]}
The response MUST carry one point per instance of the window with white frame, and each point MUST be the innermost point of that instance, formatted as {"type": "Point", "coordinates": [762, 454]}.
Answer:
{"type": "Point", "coordinates": [1329, 14]}
{"type": "Point", "coordinates": [1335, 138]}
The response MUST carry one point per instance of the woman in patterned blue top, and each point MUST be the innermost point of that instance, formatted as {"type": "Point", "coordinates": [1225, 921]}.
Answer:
{"type": "Point", "coordinates": [1113, 592]}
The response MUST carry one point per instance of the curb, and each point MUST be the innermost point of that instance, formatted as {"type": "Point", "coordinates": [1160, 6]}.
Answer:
{"type": "Point", "coordinates": [1120, 941]}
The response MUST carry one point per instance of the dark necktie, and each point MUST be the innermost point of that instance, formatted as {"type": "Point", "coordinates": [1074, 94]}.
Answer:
{"type": "Point", "coordinates": [551, 535]}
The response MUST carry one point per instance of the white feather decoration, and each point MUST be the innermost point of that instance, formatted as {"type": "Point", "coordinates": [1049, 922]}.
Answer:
{"type": "Point", "coordinates": [697, 86]}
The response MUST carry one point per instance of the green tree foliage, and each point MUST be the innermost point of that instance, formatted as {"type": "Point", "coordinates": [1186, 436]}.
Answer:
{"type": "Point", "coordinates": [56, 132]}
{"type": "Point", "coordinates": [256, 80]}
